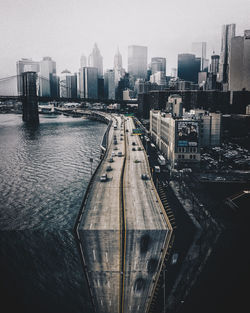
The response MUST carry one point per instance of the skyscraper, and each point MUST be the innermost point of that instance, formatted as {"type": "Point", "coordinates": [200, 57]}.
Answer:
{"type": "Point", "coordinates": [137, 61]}
{"type": "Point", "coordinates": [68, 84]}
{"type": "Point", "coordinates": [188, 67]}
{"type": "Point", "coordinates": [228, 32]}
{"type": "Point", "coordinates": [88, 82]}
{"type": "Point", "coordinates": [47, 77]}
{"type": "Point", "coordinates": [215, 59]}
{"type": "Point", "coordinates": [25, 65]}
{"type": "Point", "coordinates": [109, 84]}
{"type": "Point", "coordinates": [239, 63]}
{"type": "Point", "coordinates": [83, 61]}
{"type": "Point", "coordinates": [96, 60]}
{"type": "Point", "coordinates": [200, 51]}
{"type": "Point", "coordinates": [119, 71]}
{"type": "Point", "coordinates": [158, 64]}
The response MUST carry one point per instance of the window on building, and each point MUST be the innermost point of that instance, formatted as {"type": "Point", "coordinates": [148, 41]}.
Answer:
{"type": "Point", "coordinates": [194, 156]}
{"type": "Point", "coordinates": [190, 156]}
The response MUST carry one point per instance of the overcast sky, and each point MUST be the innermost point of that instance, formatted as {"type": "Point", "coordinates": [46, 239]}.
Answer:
{"type": "Point", "coordinates": [64, 29]}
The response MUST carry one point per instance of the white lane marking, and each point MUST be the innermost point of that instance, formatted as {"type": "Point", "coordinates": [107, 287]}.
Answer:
{"type": "Point", "coordinates": [90, 226]}
{"type": "Point", "coordinates": [106, 256]}
{"type": "Point", "coordinates": [108, 284]}
{"type": "Point", "coordinates": [94, 255]}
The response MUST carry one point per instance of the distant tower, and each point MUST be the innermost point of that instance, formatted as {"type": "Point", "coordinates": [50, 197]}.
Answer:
{"type": "Point", "coordinates": [83, 61]}
{"type": "Point", "coordinates": [118, 70]}
{"type": "Point", "coordinates": [188, 67]}
{"type": "Point", "coordinates": [158, 64]}
{"type": "Point", "coordinates": [88, 82]}
{"type": "Point", "coordinates": [215, 59]}
{"type": "Point", "coordinates": [239, 63]}
{"type": "Point", "coordinates": [96, 60]}
{"type": "Point", "coordinates": [228, 32]}
{"type": "Point", "coordinates": [137, 61]}
{"type": "Point", "coordinates": [47, 79]}
{"type": "Point", "coordinates": [22, 66]}
{"type": "Point", "coordinates": [200, 51]}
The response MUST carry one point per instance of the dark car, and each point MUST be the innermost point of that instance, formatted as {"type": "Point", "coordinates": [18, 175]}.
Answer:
{"type": "Point", "coordinates": [109, 168]}
{"type": "Point", "coordinates": [111, 160]}
{"type": "Point", "coordinates": [144, 176]}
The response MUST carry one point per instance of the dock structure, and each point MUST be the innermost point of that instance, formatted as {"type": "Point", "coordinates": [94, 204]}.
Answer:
{"type": "Point", "coordinates": [123, 230]}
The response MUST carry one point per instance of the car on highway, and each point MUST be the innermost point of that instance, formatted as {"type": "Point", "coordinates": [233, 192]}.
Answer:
{"type": "Point", "coordinates": [115, 142]}
{"type": "Point", "coordinates": [139, 149]}
{"type": "Point", "coordinates": [174, 258]}
{"type": "Point", "coordinates": [133, 143]}
{"type": "Point", "coordinates": [133, 149]}
{"type": "Point", "coordinates": [119, 154]}
{"type": "Point", "coordinates": [103, 177]}
{"type": "Point", "coordinates": [113, 154]}
{"type": "Point", "coordinates": [109, 168]}
{"type": "Point", "coordinates": [111, 160]}
{"type": "Point", "coordinates": [127, 130]}
{"type": "Point", "coordinates": [144, 177]}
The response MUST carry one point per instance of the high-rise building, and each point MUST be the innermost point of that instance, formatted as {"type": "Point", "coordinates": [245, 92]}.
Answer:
{"type": "Point", "coordinates": [119, 71]}
{"type": "Point", "coordinates": [173, 72]}
{"type": "Point", "coordinates": [88, 82]}
{"type": "Point", "coordinates": [83, 61]}
{"type": "Point", "coordinates": [215, 59]}
{"type": "Point", "coordinates": [47, 77]}
{"type": "Point", "coordinates": [137, 61]}
{"type": "Point", "coordinates": [109, 84]}
{"type": "Point", "coordinates": [188, 67]}
{"type": "Point", "coordinates": [96, 60]}
{"type": "Point", "coordinates": [68, 84]}
{"type": "Point", "coordinates": [158, 64]}
{"type": "Point", "coordinates": [25, 65]}
{"type": "Point", "coordinates": [239, 63]}
{"type": "Point", "coordinates": [228, 32]}
{"type": "Point", "coordinates": [200, 51]}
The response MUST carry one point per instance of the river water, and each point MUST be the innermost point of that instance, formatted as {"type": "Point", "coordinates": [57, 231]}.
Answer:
{"type": "Point", "coordinates": [44, 173]}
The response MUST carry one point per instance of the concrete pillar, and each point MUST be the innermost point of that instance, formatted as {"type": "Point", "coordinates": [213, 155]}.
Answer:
{"type": "Point", "coordinates": [29, 96]}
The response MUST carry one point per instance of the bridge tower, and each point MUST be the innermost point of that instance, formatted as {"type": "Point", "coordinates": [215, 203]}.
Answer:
{"type": "Point", "coordinates": [29, 98]}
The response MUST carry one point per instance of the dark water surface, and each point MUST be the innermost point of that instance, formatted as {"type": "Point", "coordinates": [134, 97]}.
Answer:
{"type": "Point", "coordinates": [44, 173]}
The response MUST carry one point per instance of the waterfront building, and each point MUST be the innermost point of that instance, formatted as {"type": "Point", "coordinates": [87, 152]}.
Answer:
{"type": "Point", "coordinates": [109, 84]}
{"type": "Point", "coordinates": [96, 60]}
{"type": "Point", "coordinates": [68, 84]}
{"type": "Point", "coordinates": [137, 61]}
{"type": "Point", "coordinates": [25, 65]}
{"type": "Point", "coordinates": [228, 32]}
{"type": "Point", "coordinates": [47, 80]}
{"type": "Point", "coordinates": [88, 82]}
{"type": "Point", "coordinates": [188, 67]}
{"type": "Point", "coordinates": [239, 63]}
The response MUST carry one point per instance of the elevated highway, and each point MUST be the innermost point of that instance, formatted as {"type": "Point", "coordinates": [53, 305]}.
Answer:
{"type": "Point", "coordinates": [122, 230]}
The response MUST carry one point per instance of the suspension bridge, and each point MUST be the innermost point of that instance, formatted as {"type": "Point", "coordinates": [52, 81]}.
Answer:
{"type": "Point", "coordinates": [29, 89]}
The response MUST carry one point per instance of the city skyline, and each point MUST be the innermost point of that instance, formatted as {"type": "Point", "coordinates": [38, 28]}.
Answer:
{"type": "Point", "coordinates": [38, 29]}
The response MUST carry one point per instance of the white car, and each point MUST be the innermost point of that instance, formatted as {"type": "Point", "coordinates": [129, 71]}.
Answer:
{"type": "Point", "coordinates": [104, 177]}
{"type": "Point", "coordinates": [113, 154]}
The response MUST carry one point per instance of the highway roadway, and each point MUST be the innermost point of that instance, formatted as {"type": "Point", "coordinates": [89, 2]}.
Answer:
{"type": "Point", "coordinates": [100, 230]}
{"type": "Point", "coordinates": [124, 231]}
{"type": "Point", "coordinates": [147, 228]}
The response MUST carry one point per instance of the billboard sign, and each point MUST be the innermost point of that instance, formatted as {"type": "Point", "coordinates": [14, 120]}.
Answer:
{"type": "Point", "coordinates": [187, 134]}
{"type": "Point", "coordinates": [137, 131]}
